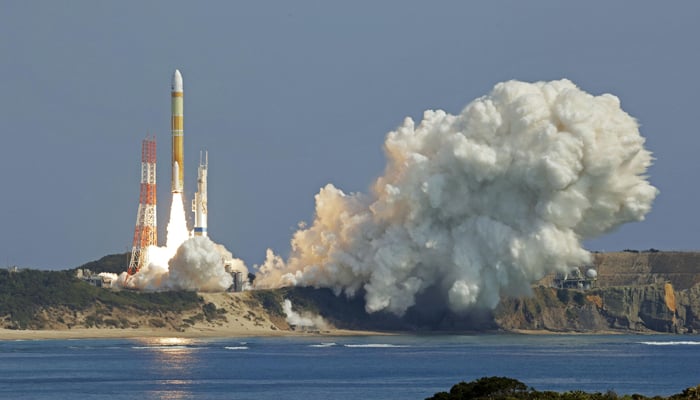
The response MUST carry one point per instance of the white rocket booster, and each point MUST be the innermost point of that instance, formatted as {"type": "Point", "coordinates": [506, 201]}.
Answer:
{"type": "Point", "coordinates": [199, 203]}
{"type": "Point", "coordinates": [176, 183]}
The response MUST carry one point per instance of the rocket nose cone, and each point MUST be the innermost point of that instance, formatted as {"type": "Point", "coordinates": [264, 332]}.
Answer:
{"type": "Point", "coordinates": [176, 85]}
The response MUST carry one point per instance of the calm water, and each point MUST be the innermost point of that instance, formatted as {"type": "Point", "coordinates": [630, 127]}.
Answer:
{"type": "Point", "coordinates": [386, 367]}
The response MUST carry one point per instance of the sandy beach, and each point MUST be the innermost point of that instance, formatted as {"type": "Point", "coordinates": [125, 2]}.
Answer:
{"type": "Point", "coordinates": [241, 320]}
{"type": "Point", "coordinates": [219, 332]}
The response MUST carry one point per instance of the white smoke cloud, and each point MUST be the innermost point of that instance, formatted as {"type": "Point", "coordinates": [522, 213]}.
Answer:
{"type": "Point", "coordinates": [305, 319]}
{"type": "Point", "coordinates": [477, 205]}
{"type": "Point", "coordinates": [195, 263]}
{"type": "Point", "coordinates": [113, 279]}
{"type": "Point", "coordinates": [199, 265]}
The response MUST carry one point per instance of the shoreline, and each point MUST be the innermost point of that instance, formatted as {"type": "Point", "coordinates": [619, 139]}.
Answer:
{"type": "Point", "coordinates": [228, 332]}
{"type": "Point", "coordinates": [97, 333]}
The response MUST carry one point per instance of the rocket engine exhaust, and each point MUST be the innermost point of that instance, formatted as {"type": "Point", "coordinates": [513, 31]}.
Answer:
{"type": "Point", "coordinates": [477, 205]}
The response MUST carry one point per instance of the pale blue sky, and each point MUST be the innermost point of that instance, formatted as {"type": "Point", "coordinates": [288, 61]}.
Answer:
{"type": "Point", "coordinates": [289, 96]}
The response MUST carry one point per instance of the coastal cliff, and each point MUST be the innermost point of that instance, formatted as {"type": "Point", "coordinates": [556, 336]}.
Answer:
{"type": "Point", "coordinates": [634, 292]}
{"type": "Point", "coordinates": [649, 308]}
{"type": "Point", "coordinates": [638, 291]}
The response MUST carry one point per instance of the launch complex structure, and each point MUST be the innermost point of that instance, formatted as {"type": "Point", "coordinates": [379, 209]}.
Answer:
{"type": "Point", "coordinates": [146, 231]}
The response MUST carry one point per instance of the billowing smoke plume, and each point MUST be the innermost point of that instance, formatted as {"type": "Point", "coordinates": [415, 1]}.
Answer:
{"type": "Point", "coordinates": [305, 319]}
{"type": "Point", "coordinates": [477, 205]}
{"type": "Point", "coordinates": [198, 264]}
{"type": "Point", "coordinates": [195, 263]}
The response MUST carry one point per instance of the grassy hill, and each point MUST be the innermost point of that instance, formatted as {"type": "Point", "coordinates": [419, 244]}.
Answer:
{"type": "Point", "coordinates": [26, 293]}
{"type": "Point", "coordinates": [113, 263]}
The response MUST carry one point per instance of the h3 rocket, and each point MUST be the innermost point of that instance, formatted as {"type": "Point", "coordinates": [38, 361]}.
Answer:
{"type": "Point", "coordinates": [177, 129]}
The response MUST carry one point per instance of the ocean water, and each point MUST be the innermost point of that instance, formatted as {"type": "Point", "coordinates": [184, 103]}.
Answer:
{"type": "Point", "coordinates": [377, 367]}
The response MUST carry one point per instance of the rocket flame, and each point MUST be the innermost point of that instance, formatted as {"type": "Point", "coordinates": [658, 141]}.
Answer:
{"type": "Point", "coordinates": [177, 226]}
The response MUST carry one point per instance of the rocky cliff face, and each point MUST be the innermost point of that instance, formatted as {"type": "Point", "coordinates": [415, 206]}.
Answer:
{"type": "Point", "coordinates": [635, 291]}
{"type": "Point", "coordinates": [638, 291]}
{"type": "Point", "coordinates": [657, 307]}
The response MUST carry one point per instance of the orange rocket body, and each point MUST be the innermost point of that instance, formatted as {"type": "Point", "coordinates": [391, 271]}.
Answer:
{"type": "Point", "coordinates": [177, 130]}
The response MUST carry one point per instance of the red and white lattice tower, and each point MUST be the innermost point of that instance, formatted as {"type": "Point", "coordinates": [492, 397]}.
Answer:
{"type": "Point", "coordinates": [146, 232]}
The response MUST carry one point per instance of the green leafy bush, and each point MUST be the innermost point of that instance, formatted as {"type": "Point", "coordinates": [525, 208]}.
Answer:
{"type": "Point", "coordinates": [502, 388]}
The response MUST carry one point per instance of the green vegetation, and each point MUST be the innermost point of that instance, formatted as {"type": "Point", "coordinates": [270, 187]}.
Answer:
{"type": "Point", "coordinates": [114, 263]}
{"type": "Point", "coordinates": [579, 298]}
{"type": "Point", "coordinates": [502, 388]}
{"type": "Point", "coordinates": [485, 388]}
{"type": "Point", "coordinates": [271, 300]}
{"type": "Point", "coordinates": [563, 295]}
{"type": "Point", "coordinates": [23, 294]}
{"type": "Point", "coordinates": [212, 313]}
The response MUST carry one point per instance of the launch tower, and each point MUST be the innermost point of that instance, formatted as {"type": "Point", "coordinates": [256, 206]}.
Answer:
{"type": "Point", "coordinates": [146, 232]}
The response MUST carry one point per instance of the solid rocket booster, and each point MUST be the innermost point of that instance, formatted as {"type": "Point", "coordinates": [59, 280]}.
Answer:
{"type": "Point", "coordinates": [177, 188]}
{"type": "Point", "coordinates": [199, 203]}
{"type": "Point", "coordinates": [177, 129]}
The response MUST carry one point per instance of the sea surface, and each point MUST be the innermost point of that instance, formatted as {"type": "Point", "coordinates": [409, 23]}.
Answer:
{"type": "Point", "coordinates": [376, 367]}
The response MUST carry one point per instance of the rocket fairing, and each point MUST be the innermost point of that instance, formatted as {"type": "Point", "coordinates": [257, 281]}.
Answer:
{"type": "Point", "coordinates": [177, 129]}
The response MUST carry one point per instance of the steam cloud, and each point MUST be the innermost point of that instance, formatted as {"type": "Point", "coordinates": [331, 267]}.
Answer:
{"type": "Point", "coordinates": [195, 263]}
{"type": "Point", "coordinates": [306, 320]}
{"type": "Point", "coordinates": [477, 205]}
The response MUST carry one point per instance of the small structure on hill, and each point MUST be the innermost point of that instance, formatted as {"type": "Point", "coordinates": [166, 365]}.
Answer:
{"type": "Point", "coordinates": [90, 277]}
{"type": "Point", "coordinates": [574, 279]}
{"type": "Point", "coordinates": [237, 276]}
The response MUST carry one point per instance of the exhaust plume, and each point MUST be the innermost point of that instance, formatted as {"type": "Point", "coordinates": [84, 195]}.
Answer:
{"type": "Point", "coordinates": [185, 263]}
{"type": "Point", "coordinates": [477, 205]}
{"type": "Point", "coordinates": [177, 226]}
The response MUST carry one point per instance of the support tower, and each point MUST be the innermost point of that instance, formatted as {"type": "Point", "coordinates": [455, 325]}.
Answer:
{"type": "Point", "coordinates": [146, 232]}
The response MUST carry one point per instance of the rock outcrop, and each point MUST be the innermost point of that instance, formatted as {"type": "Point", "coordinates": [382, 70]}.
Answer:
{"type": "Point", "coordinates": [657, 308]}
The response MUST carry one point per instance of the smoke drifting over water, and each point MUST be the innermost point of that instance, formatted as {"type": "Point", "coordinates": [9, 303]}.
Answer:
{"type": "Point", "coordinates": [477, 205]}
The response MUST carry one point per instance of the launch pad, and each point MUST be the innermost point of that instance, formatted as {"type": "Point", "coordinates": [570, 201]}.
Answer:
{"type": "Point", "coordinates": [145, 233]}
